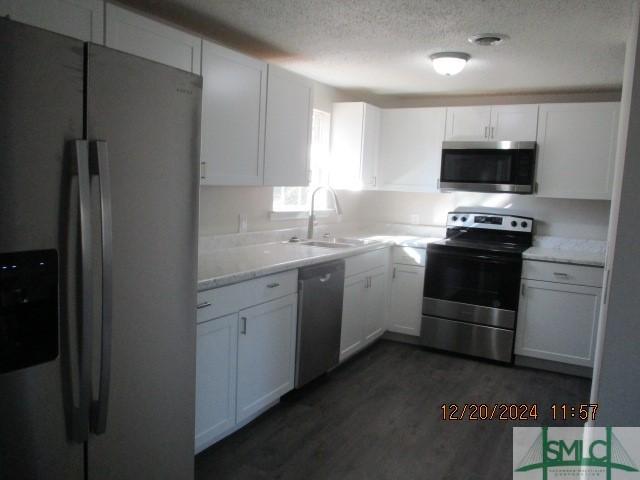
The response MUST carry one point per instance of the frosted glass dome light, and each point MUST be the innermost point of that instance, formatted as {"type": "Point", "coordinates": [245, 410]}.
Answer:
{"type": "Point", "coordinates": [449, 63]}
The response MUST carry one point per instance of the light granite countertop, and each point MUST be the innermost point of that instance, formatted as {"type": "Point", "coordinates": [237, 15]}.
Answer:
{"type": "Point", "coordinates": [573, 257]}
{"type": "Point", "coordinates": [232, 261]}
{"type": "Point", "coordinates": [217, 268]}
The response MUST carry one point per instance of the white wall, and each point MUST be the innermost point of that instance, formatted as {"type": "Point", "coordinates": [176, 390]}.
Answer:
{"type": "Point", "coordinates": [564, 218]}
{"type": "Point", "coordinates": [616, 381]}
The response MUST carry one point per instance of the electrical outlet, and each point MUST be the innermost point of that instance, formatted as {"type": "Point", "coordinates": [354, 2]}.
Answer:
{"type": "Point", "coordinates": [414, 219]}
{"type": "Point", "coordinates": [242, 222]}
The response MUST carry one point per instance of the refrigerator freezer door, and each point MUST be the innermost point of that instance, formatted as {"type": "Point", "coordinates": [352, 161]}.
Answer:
{"type": "Point", "coordinates": [148, 115]}
{"type": "Point", "coordinates": [41, 113]}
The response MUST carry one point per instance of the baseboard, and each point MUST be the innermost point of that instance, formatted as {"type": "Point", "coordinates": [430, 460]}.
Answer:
{"type": "Point", "coordinates": [401, 337]}
{"type": "Point", "coordinates": [552, 366]}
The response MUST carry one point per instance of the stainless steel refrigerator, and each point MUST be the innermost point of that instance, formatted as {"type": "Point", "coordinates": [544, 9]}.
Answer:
{"type": "Point", "coordinates": [99, 156]}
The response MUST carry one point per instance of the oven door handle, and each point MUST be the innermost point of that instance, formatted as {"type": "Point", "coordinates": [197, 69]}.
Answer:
{"type": "Point", "coordinates": [484, 257]}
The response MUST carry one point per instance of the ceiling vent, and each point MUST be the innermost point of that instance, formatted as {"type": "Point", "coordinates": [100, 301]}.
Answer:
{"type": "Point", "coordinates": [488, 39]}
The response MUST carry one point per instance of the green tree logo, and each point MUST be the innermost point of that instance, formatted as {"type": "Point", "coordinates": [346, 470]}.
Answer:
{"type": "Point", "coordinates": [605, 453]}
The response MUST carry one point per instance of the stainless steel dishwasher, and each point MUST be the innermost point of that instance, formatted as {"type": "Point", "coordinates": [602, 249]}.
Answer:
{"type": "Point", "coordinates": [320, 293]}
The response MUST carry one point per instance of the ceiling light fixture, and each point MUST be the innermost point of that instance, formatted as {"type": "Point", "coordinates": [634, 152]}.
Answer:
{"type": "Point", "coordinates": [488, 39]}
{"type": "Point", "coordinates": [449, 63]}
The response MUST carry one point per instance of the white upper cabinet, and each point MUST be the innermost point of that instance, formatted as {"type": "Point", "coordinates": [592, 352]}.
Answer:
{"type": "Point", "coordinates": [233, 116]}
{"type": "Point", "coordinates": [81, 19]}
{"type": "Point", "coordinates": [576, 149]}
{"type": "Point", "coordinates": [516, 123]}
{"type": "Point", "coordinates": [497, 122]}
{"type": "Point", "coordinates": [139, 35]}
{"type": "Point", "coordinates": [468, 123]}
{"type": "Point", "coordinates": [411, 148]}
{"type": "Point", "coordinates": [354, 145]}
{"type": "Point", "coordinates": [288, 129]}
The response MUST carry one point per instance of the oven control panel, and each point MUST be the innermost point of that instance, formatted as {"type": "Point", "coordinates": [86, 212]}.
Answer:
{"type": "Point", "coordinates": [490, 221]}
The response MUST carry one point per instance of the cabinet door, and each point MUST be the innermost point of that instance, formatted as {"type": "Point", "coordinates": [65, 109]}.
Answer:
{"type": "Point", "coordinates": [216, 349]}
{"type": "Point", "coordinates": [370, 147]}
{"type": "Point", "coordinates": [577, 146]}
{"type": "Point", "coordinates": [405, 314]}
{"type": "Point", "coordinates": [514, 123]}
{"type": "Point", "coordinates": [233, 108]}
{"type": "Point", "coordinates": [468, 123]}
{"type": "Point", "coordinates": [375, 300]}
{"type": "Point", "coordinates": [81, 19]}
{"type": "Point", "coordinates": [266, 354]}
{"type": "Point", "coordinates": [558, 322]}
{"type": "Point", "coordinates": [347, 122]}
{"type": "Point", "coordinates": [411, 148]}
{"type": "Point", "coordinates": [139, 35]}
{"type": "Point", "coordinates": [287, 129]}
{"type": "Point", "coordinates": [353, 313]}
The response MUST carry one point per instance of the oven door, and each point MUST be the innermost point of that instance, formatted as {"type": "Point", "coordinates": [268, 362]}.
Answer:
{"type": "Point", "coordinates": [472, 285]}
{"type": "Point", "coordinates": [488, 167]}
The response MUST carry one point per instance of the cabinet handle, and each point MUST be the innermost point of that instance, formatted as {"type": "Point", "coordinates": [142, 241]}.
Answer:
{"type": "Point", "coordinates": [394, 273]}
{"type": "Point", "coordinates": [486, 132]}
{"type": "Point", "coordinates": [522, 289]}
{"type": "Point", "coordinates": [273, 285]}
{"type": "Point", "coordinates": [375, 181]}
{"type": "Point", "coordinates": [203, 170]}
{"type": "Point", "coordinates": [561, 274]}
{"type": "Point", "coordinates": [492, 132]}
{"type": "Point", "coordinates": [243, 328]}
{"type": "Point", "coordinates": [203, 305]}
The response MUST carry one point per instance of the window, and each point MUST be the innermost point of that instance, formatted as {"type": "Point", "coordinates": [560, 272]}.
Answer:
{"type": "Point", "coordinates": [298, 199]}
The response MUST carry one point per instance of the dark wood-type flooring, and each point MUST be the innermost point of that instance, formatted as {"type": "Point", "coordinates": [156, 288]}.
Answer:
{"type": "Point", "coordinates": [378, 416]}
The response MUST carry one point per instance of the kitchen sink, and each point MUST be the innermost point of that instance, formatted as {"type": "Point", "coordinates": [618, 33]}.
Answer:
{"type": "Point", "coordinates": [327, 244]}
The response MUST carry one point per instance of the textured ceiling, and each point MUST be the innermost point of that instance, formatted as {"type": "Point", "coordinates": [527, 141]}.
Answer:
{"type": "Point", "coordinates": [382, 46]}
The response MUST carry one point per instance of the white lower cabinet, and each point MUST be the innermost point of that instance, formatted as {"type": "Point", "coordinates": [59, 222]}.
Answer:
{"type": "Point", "coordinates": [245, 352]}
{"type": "Point", "coordinates": [375, 300]}
{"type": "Point", "coordinates": [351, 337]}
{"type": "Point", "coordinates": [558, 322]}
{"type": "Point", "coordinates": [364, 308]}
{"type": "Point", "coordinates": [266, 354]}
{"type": "Point", "coordinates": [407, 283]}
{"type": "Point", "coordinates": [216, 353]}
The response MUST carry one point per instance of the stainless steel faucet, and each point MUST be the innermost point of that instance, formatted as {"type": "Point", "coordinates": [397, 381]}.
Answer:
{"type": "Point", "coordinates": [312, 215]}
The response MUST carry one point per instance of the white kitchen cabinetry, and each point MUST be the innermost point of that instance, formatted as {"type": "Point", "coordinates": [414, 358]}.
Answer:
{"type": "Point", "coordinates": [355, 130]}
{"type": "Point", "coordinates": [557, 320]}
{"type": "Point", "coordinates": [407, 285]}
{"type": "Point", "coordinates": [288, 129]}
{"type": "Point", "coordinates": [576, 149]}
{"type": "Point", "coordinates": [216, 350]}
{"type": "Point", "coordinates": [411, 148]}
{"type": "Point", "coordinates": [233, 117]}
{"type": "Point", "coordinates": [81, 19]}
{"type": "Point", "coordinates": [266, 354]}
{"type": "Point", "coordinates": [497, 122]}
{"type": "Point", "coordinates": [132, 33]}
{"type": "Point", "coordinates": [365, 301]}
{"type": "Point", "coordinates": [245, 354]}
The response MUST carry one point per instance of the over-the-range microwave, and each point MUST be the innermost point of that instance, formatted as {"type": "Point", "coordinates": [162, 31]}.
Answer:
{"type": "Point", "coordinates": [507, 167]}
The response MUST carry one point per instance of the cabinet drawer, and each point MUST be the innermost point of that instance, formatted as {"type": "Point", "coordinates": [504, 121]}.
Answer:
{"type": "Point", "coordinates": [409, 256]}
{"type": "Point", "coordinates": [233, 298]}
{"type": "Point", "coordinates": [562, 273]}
{"type": "Point", "coordinates": [366, 261]}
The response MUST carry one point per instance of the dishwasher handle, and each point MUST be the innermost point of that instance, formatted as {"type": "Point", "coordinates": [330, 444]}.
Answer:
{"type": "Point", "coordinates": [325, 278]}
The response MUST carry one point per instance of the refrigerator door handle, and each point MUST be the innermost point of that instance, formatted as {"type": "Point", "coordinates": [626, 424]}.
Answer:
{"type": "Point", "coordinates": [80, 424]}
{"type": "Point", "coordinates": [100, 406]}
